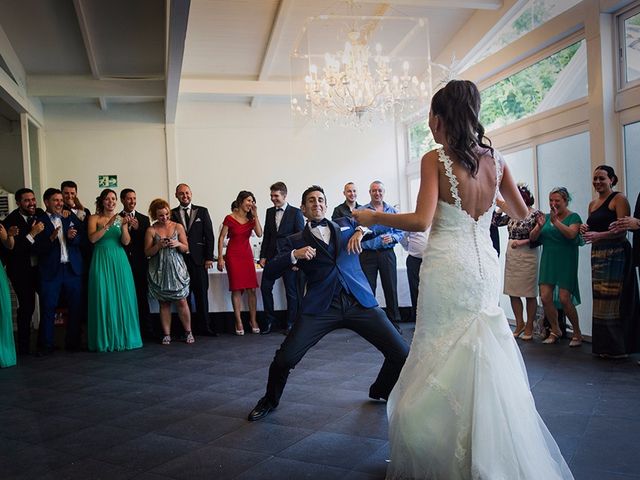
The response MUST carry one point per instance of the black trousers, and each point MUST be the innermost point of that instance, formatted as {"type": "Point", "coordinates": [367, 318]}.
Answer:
{"type": "Point", "coordinates": [413, 276]}
{"type": "Point", "coordinates": [290, 279]}
{"type": "Point", "coordinates": [199, 287]}
{"type": "Point", "coordinates": [344, 312]}
{"type": "Point", "coordinates": [25, 285]}
{"type": "Point", "coordinates": [383, 262]}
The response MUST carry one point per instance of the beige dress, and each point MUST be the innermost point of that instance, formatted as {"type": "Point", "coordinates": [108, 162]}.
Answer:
{"type": "Point", "coordinates": [521, 264]}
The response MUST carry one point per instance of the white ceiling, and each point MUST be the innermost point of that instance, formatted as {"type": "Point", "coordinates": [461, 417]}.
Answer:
{"type": "Point", "coordinates": [108, 51]}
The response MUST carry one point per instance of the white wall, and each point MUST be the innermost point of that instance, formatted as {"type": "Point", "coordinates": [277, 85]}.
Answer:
{"type": "Point", "coordinates": [224, 148]}
{"type": "Point", "coordinates": [82, 142]}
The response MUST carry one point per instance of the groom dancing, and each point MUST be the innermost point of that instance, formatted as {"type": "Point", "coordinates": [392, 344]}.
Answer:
{"type": "Point", "coordinates": [338, 296]}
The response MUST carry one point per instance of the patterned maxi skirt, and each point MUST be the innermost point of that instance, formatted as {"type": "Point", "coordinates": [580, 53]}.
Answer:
{"type": "Point", "coordinates": [616, 319]}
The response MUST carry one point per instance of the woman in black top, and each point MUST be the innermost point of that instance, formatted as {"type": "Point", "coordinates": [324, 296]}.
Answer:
{"type": "Point", "coordinates": [614, 330]}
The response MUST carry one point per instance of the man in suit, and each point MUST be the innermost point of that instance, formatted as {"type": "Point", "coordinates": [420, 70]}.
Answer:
{"type": "Point", "coordinates": [281, 221]}
{"type": "Point", "coordinates": [199, 259]}
{"type": "Point", "coordinates": [138, 224]}
{"type": "Point", "coordinates": [349, 204]}
{"type": "Point", "coordinates": [338, 296]}
{"type": "Point", "coordinates": [378, 255]}
{"type": "Point", "coordinates": [22, 262]}
{"type": "Point", "coordinates": [60, 270]}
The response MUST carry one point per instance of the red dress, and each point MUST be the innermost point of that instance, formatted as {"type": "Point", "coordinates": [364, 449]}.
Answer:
{"type": "Point", "coordinates": [241, 267]}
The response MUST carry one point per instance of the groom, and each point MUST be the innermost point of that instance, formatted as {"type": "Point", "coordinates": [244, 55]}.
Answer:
{"type": "Point", "coordinates": [338, 296]}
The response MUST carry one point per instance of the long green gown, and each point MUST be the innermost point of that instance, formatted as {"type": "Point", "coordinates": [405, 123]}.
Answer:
{"type": "Point", "coordinates": [7, 343]}
{"type": "Point", "coordinates": [113, 309]}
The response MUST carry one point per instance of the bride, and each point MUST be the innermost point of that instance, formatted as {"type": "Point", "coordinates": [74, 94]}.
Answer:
{"type": "Point", "coordinates": [462, 407]}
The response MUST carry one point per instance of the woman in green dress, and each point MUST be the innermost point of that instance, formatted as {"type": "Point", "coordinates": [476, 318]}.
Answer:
{"type": "Point", "coordinates": [113, 309]}
{"type": "Point", "coordinates": [559, 233]}
{"type": "Point", "coordinates": [7, 343]}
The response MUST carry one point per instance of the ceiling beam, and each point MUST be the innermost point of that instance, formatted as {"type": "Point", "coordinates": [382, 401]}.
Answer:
{"type": "Point", "coordinates": [17, 98]}
{"type": "Point", "coordinates": [11, 59]}
{"type": "Point", "coordinates": [473, 4]}
{"type": "Point", "coordinates": [88, 45]}
{"type": "Point", "coordinates": [284, 8]}
{"type": "Point", "coordinates": [242, 88]}
{"type": "Point", "coordinates": [177, 21]}
{"type": "Point", "coordinates": [87, 86]}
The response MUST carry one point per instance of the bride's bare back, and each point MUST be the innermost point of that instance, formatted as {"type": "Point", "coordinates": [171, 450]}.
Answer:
{"type": "Point", "coordinates": [476, 193]}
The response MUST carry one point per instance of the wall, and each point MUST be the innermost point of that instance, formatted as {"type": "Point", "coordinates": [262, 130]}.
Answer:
{"type": "Point", "coordinates": [12, 177]}
{"type": "Point", "coordinates": [224, 148]}
{"type": "Point", "coordinates": [82, 142]}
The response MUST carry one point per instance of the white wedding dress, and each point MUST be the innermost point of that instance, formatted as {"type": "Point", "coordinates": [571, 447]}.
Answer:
{"type": "Point", "coordinates": [462, 407]}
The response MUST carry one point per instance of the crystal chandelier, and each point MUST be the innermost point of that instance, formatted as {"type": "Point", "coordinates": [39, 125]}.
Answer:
{"type": "Point", "coordinates": [355, 84]}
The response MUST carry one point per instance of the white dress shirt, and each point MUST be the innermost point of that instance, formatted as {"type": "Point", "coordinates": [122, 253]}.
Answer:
{"type": "Point", "coordinates": [280, 214]}
{"type": "Point", "coordinates": [57, 222]}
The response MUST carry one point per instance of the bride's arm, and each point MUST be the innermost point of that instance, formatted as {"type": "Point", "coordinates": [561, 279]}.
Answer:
{"type": "Point", "coordinates": [509, 190]}
{"type": "Point", "coordinates": [419, 220]}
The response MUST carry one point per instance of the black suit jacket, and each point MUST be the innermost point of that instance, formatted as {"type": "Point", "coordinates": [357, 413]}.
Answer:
{"type": "Point", "coordinates": [135, 249]}
{"type": "Point", "coordinates": [18, 260]}
{"type": "Point", "coordinates": [199, 233]}
{"type": "Point", "coordinates": [636, 235]}
{"type": "Point", "coordinates": [342, 210]}
{"type": "Point", "coordinates": [273, 239]}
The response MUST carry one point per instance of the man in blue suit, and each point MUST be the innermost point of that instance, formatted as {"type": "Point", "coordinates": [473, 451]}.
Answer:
{"type": "Point", "coordinates": [281, 221]}
{"type": "Point", "coordinates": [60, 270]}
{"type": "Point", "coordinates": [338, 296]}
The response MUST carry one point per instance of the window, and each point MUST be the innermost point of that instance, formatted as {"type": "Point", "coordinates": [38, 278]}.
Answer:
{"type": "Point", "coordinates": [553, 81]}
{"type": "Point", "coordinates": [629, 25]}
{"type": "Point", "coordinates": [529, 17]}
{"type": "Point", "coordinates": [632, 160]}
{"type": "Point", "coordinates": [420, 139]}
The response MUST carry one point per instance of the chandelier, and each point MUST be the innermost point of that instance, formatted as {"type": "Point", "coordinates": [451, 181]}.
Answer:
{"type": "Point", "coordinates": [357, 70]}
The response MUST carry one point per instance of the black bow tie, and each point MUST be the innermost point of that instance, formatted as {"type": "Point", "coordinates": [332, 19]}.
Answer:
{"type": "Point", "coordinates": [279, 209]}
{"type": "Point", "coordinates": [321, 223]}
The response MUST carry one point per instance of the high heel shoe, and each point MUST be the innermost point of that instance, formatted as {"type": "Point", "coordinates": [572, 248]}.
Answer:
{"type": "Point", "coordinates": [189, 338]}
{"type": "Point", "coordinates": [239, 332]}
{"type": "Point", "coordinates": [526, 337]}
{"type": "Point", "coordinates": [255, 330]}
{"type": "Point", "coordinates": [518, 331]}
{"type": "Point", "coordinates": [576, 341]}
{"type": "Point", "coordinates": [552, 338]}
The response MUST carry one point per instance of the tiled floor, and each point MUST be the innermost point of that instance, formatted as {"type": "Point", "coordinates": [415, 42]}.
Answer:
{"type": "Point", "coordinates": [180, 411]}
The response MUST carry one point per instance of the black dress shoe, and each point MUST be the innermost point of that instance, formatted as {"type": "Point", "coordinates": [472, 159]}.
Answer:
{"type": "Point", "coordinates": [266, 330]}
{"type": "Point", "coordinates": [261, 410]}
{"type": "Point", "coordinates": [375, 394]}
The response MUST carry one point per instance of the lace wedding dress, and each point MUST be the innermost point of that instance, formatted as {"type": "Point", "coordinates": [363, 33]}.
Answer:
{"type": "Point", "coordinates": [462, 407]}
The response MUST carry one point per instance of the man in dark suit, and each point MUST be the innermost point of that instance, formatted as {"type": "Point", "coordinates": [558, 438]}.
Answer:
{"type": "Point", "coordinates": [281, 221]}
{"type": "Point", "coordinates": [197, 223]}
{"type": "Point", "coordinates": [22, 262]}
{"type": "Point", "coordinates": [349, 204]}
{"type": "Point", "coordinates": [338, 296]}
{"type": "Point", "coordinates": [138, 224]}
{"type": "Point", "coordinates": [60, 270]}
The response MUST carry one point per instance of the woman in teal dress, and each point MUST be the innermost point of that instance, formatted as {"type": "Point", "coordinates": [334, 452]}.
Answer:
{"type": "Point", "coordinates": [559, 233]}
{"type": "Point", "coordinates": [7, 343]}
{"type": "Point", "coordinates": [113, 308]}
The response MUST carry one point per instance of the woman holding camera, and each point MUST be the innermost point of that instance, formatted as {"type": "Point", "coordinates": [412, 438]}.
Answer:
{"type": "Point", "coordinates": [168, 277]}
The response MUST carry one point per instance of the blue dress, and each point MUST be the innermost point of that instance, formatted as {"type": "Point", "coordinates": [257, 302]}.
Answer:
{"type": "Point", "coordinates": [113, 308]}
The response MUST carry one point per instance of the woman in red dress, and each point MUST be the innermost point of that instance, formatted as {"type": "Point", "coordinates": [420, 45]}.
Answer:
{"type": "Point", "coordinates": [241, 267]}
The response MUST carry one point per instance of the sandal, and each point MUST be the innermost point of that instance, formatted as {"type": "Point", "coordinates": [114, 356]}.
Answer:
{"type": "Point", "coordinates": [255, 330]}
{"type": "Point", "coordinates": [526, 337]}
{"type": "Point", "coordinates": [576, 341]}
{"type": "Point", "coordinates": [552, 338]}
{"type": "Point", "coordinates": [518, 331]}
{"type": "Point", "coordinates": [239, 332]}
{"type": "Point", "coordinates": [189, 338]}
{"type": "Point", "coordinates": [166, 340]}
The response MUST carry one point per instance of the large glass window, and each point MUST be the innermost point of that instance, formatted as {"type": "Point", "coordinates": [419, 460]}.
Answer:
{"type": "Point", "coordinates": [632, 161]}
{"type": "Point", "coordinates": [532, 14]}
{"type": "Point", "coordinates": [630, 31]}
{"type": "Point", "coordinates": [420, 139]}
{"type": "Point", "coordinates": [551, 82]}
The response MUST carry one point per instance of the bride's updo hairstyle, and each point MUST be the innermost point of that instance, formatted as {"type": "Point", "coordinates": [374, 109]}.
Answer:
{"type": "Point", "coordinates": [458, 106]}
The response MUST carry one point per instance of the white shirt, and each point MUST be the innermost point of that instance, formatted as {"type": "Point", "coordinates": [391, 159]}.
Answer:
{"type": "Point", "coordinates": [57, 222]}
{"type": "Point", "coordinates": [280, 214]}
{"type": "Point", "coordinates": [415, 243]}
